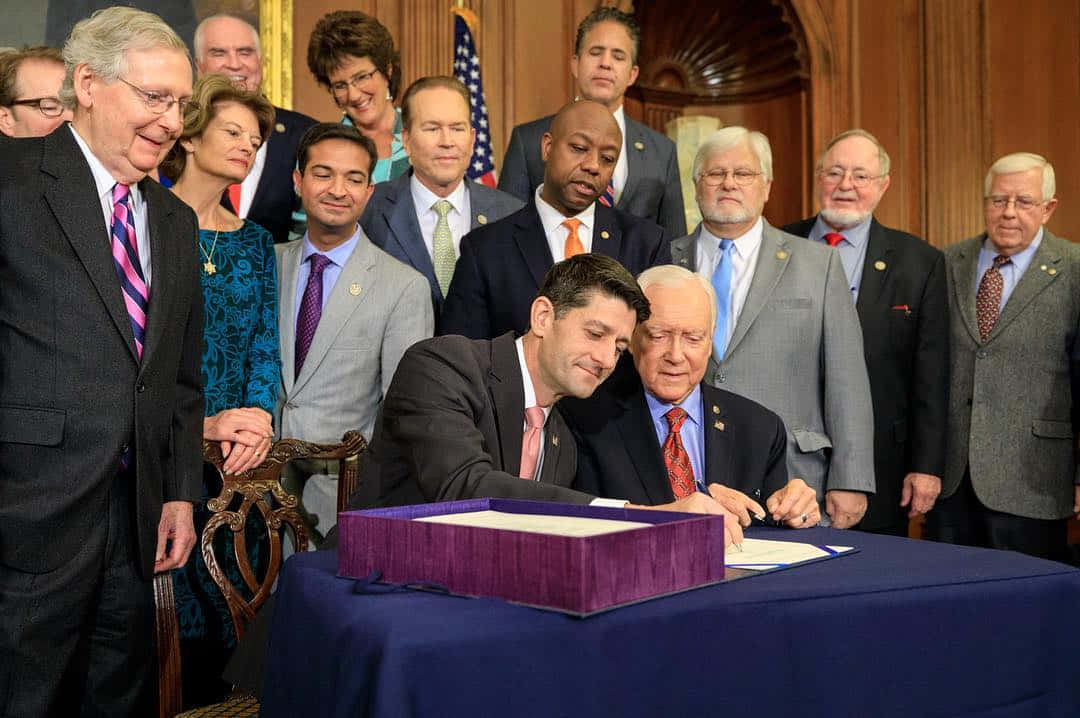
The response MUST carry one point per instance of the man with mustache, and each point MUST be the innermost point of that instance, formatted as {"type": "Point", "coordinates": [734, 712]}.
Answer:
{"type": "Point", "coordinates": [786, 334]}
{"type": "Point", "coordinates": [502, 264]}
{"type": "Point", "coordinates": [421, 216]}
{"type": "Point", "coordinates": [646, 180]}
{"type": "Point", "coordinates": [897, 282]}
{"type": "Point", "coordinates": [230, 45]}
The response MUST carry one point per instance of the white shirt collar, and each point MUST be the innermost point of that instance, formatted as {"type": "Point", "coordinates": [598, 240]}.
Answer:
{"type": "Point", "coordinates": [526, 380]}
{"type": "Point", "coordinates": [745, 245]}
{"type": "Point", "coordinates": [103, 179]}
{"type": "Point", "coordinates": [552, 218]}
{"type": "Point", "coordinates": [424, 199]}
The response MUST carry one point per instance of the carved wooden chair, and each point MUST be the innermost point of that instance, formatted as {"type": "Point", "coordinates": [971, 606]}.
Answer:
{"type": "Point", "coordinates": [259, 488]}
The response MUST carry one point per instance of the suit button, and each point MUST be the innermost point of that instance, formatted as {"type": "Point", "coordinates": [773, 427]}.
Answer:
{"type": "Point", "coordinates": [722, 376]}
{"type": "Point", "coordinates": [980, 354]}
{"type": "Point", "coordinates": [140, 387]}
{"type": "Point", "coordinates": [124, 449]}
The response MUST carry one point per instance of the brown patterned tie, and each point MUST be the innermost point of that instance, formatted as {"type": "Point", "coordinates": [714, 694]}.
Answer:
{"type": "Point", "coordinates": [988, 300]}
{"type": "Point", "coordinates": [680, 472]}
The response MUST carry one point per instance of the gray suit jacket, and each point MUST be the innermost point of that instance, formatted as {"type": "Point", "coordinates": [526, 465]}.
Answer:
{"type": "Point", "coordinates": [653, 188]}
{"type": "Point", "coordinates": [390, 222]}
{"type": "Point", "coordinates": [798, 349]}
{"type": "Point", "coordinates": [1014, 405]}
{"type": "Point", "coordinates": [377, 309]}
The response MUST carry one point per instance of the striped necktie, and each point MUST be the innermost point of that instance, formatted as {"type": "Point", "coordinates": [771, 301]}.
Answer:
{"type": "Point", "coordinates": [125, 252]}
{"type": "Point", "coordinates": [608, 197]}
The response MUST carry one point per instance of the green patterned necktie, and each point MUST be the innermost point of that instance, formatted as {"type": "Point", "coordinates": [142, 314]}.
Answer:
{"type": "Point", "coordinates": [442, 246]}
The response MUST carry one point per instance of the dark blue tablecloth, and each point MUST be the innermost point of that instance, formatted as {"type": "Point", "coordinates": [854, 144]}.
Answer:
{"type": "Point", "coordinates": [901, 628]}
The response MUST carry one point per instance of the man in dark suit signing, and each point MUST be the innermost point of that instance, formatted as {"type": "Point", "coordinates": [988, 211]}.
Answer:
{"type": "Point", "coordinates": [102, 410]}
{"type": "Point", "coordinates": [897, 282]}
{"type": "Point", "coordinates": [421, 216]}
{"type": "Point", "coordinates": [646, 181]}
{"type": "Point", "coordinates": [502, 264]}
{"type": "Point", "coordinates": [230, 45]}
{"type": "Point", "coordinates": [655, 433]}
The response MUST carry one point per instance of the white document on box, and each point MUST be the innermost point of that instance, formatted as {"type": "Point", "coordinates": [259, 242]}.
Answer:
{"type": "Point", "coordinates": [576, 526]}
{"type": "Point", "coordinates": [763, 555]}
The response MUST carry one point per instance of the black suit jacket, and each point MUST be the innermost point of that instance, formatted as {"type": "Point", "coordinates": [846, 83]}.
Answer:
{"type": "Point", "coordinates": [904, 312]}
{"type": "Point", "coordinates": [503, 264]}
{"type": "Point", "coordinates": [73, 392]}
{"type": "Point", "coordinates": [653, 188]}
{"type": "Point", "coordinates": [620, 457]}
{"type": "Point", "coordinates": [275, 199]}
{"type": "Point", "coordinates": [450, 428]}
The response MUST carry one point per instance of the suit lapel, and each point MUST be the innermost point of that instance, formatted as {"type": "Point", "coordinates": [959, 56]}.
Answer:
{"type": "Point", "coordinates": [400, 216]}
{"type": "Point", "coordinates": [684, 250]}
{"type": "Point", "coordinates": [964, 285]}
{"type": "Point", "coordinates": [288, 271]}
{"type": "Point", "coordinates": [555, 468]}
{"type": "Point", "coordinates": [635, 425]}
{"type": "Point", "coordinates": [507, 394]}
{"type": "Point", "coordinates": [480, 210]}
{"type": "Point", "coordinates": [74, 201]}
{"type": "Point", "coordinates": [532, 243]}
{"type": "Point", "coordinates": [162, 264]}
{"type": "Point", "coordinates": [635, 161]}
{"type": "Point", "coordinates": [878, 253]}
{"type": "Point", "coordinates": [607, 224]}
{"type": "Point", "coordinates": [354, 285]}
{"type": "Point", "coordinates": [1034, 281]}
{"type": "Point", "coordinates": [718, 455]}
{"type": "Point", "coordinates": [773, 257]}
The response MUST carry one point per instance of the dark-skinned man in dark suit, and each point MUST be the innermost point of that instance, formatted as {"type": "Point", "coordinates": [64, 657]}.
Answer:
{"type": "Point", "coordinates": [898, 286]}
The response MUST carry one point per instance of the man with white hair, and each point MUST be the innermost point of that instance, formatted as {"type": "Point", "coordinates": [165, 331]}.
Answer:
{"type": "Point", "coordinates": [897, 282]}
{"type": "Point", "coordinates": [1011, 474]}
{"type": "Point", "coordinates": [786, 334]}
{"type": "Point", "coordinates": [230, 45]}
{"type": "Point", "coordinates": [101, 420]}
{"type": "Point", "coordinates": [654, 432]}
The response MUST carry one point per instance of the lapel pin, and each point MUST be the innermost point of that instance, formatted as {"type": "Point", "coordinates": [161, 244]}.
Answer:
{"type": "Point", "coordinates": [718, 425]}
{"type": "Point", "coordinates": [279, 127]}
{"type": "Point", "coordinates": [1042, 267]}
{"type": "Point", "coordinates": [1051, 271]}
{"type": "Point", "coordinates": [554, 440]}
{"type": "Point", "coordinates": [639, 145]}
{"type": "Point", "coordinates": [354, 289]}
{"type": "Point", "coordinates": [879, 265]}
{"type": "Point", "coordinates": [684, 262]}
{"type": "Point", "coordinates": [715, 409]}
{"type": "Point", "coordinates": [604, 234]}
{"type": "Point", "coordinates": [481, 219]}
{"type": "Point", "coordinates": [781, 254]}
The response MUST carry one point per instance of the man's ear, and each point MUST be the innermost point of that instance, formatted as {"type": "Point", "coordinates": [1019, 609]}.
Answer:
{"type": "Point", "coordinates": [545, 146]}
{"type": "Point", "coordinates": [541, 316]}
{"type": "Point", "coordinates": [7, 121]}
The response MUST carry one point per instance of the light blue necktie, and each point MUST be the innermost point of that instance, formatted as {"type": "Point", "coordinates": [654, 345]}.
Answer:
{"type": "Point", "coordinates": [721, 281]}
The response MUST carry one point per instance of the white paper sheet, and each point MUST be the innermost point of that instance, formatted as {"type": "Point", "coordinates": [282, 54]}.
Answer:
{"type": "Point", "coordinates": [763, 554]}
{"type": "Point", "coordinates": [539, 524]}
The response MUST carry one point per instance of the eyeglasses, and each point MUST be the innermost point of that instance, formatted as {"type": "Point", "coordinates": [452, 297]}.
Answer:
{"type": "Point", "coordinates": [48, 106]}
{"type": "Point", "coordinates": [158, 103]}
{"type": "Point", "coordinates": [716, 178]}
{"type": "Point", "coordinates": [341, 89]}
{"type": "Point", "coordinates": [1021, 203]}
{"type": "Point", "coordinates": [859, 178]}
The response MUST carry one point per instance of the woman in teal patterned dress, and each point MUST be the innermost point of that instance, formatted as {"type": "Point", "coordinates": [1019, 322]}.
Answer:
{"type": "Point", "coordinates": [223, 128]}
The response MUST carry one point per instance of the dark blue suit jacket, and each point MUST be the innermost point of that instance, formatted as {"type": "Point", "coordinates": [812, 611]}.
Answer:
{"type": "Point", "coordinates": [503, 264]}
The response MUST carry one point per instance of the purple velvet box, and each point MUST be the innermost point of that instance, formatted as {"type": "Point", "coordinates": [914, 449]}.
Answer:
{"type": "Point", "coordinates": [571, 574]}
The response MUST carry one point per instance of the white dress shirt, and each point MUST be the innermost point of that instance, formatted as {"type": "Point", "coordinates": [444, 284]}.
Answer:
{"type": "Point", "coordinates": [251, 182]}
{"type": "Point", "coordinates": [744, 260]}
{"type": "Point", "coordinates": [552, 221]}
{"type": "Point", "coordinates": [622, 167]}
{"type": "Point", "coordinates": [459, 218]}
{"type": "Point", "coordinates": [104, 182]}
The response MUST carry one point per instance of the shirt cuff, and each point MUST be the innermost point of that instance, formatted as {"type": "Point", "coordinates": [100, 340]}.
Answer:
{"type": "Point", "coordinates": [609, 503]}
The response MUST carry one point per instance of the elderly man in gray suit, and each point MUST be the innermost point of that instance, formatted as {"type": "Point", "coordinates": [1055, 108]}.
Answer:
{"type": "Point", "coordinates": [347, 310]}
{"type": "Point", "coordinates": [421, 216]}
{"type": "Point", "coordinates": [1011, 474]}
{"type": "Point", "coordinates": [787, 335]}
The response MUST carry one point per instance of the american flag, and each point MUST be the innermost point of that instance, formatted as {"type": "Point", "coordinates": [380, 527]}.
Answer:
{"type": "Point", "coordinates": [467, 69]}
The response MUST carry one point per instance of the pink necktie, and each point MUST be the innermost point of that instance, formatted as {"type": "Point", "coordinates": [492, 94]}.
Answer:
{"type": "Point", "coordinates": [125, 252]}
{"type": "Point", "coordinates": [530, 441]}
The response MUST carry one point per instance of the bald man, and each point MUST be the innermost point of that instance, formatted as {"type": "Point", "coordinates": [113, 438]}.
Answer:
{"type": "Point", "coordinates": [503, 264]}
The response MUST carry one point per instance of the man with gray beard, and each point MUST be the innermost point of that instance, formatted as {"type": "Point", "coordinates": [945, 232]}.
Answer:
{"type": "Point", "coordinates": [787, 335]}
{"type": "Point", "coordinates": [897, 283]}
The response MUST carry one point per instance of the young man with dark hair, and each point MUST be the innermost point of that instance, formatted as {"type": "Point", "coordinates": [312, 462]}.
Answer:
{"type": "Point", "coordinates": [30, 81]}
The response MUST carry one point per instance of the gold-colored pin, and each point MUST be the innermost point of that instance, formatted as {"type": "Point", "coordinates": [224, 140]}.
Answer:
{"type": "Point", "coordinates": [354, 289]}
{"type": "Point", "coordinates": [604, 234]}
{"type": "Point", "coordinates": [1051, 271]}
{"type": "Point", "coordinates": [718, 425]}
{"type": "Point", "coordinates": [879, 265]}
{"type": "Point", "coordinates": [715, 409]}
{"type": "Point", "coordinates": [482, 219]}
{"type": "Point", "coordinates": [554, 440]}
{"type": "Point", "coordinates": [639, 145]}
{"type": "Point", "coordinates": [781, 254]}
{"type": "Point", "coordinates": [279, 127]}
{"type": "Point", "coordinates": [1042, 267]}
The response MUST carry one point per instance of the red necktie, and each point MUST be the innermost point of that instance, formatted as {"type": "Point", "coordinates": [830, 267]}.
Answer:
{"type": "Point", "coordinates": [988, 299]}
{"type": "Point", "coordinates": [608, 197]}
{"type": "Point", "coordinates": [680, 472]}
{"type": "Point", "coordinates": [834, 238]}
{"type": "Point", "coordinates": [234, 198]}
{"type": "Point", "coordinates": [530, 442]}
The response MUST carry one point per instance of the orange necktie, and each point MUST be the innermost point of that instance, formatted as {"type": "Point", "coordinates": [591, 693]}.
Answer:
{"type": "Point", "coordinates": [573, 244]}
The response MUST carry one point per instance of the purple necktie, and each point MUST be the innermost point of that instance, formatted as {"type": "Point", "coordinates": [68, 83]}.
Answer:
{"type": "Point", "coordinates": [125, 252]}
{"type": "Point", "coordinates": [310, 309]}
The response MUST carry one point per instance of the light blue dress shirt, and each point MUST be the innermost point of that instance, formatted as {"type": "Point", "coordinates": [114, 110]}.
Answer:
{"type": "Point", "coordinates": [1011, 272]}
{"type": "Point", "coordinates": [852, 250]}
{"type": "Point", "coordinates": [338, 256]}
{"type": "Point", "coordinates": [692, 432]}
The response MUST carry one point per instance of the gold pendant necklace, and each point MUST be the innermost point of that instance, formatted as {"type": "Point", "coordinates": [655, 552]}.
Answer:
{"type": "Point", "coordinates": [208, 265]}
